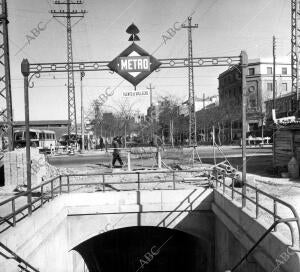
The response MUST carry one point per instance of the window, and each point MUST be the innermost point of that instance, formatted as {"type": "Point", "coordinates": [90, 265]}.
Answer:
{"type": "Point", "coordinates": [19, 136]}
{"type": "Point", "coordinates": [252, 99]}
{"type": "Point", "coordinates": [251, 71]}
{"type": "Point", "coordinates": [270, 86]}
{"type": "Point", "coordinates": [284, 87]}
{"type": "Point", "coordinates": [33, 135]}
{"type": "Point", "coordinates": [284, 71]}
{"type": "Point", "coordinates": [269, 70]}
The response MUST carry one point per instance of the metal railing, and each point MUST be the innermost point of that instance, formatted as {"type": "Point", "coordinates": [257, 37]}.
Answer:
{"type": "Point", "coordinates": [11, 218]}
{"type": "Point", "coordinates": [232, 192]}
{"type": "Point", "coordinates": [48, 190]}
{"type": "Point", "coordinates": [63, 184]}
{"type": "Point", "coordinates": [273, 226]}
{"type": "Point", "coordinates": [10, 255]}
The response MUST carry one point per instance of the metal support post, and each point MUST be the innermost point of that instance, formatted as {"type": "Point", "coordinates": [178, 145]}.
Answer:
{"type": "Point", "coordinates": [25, 71]}
{"type": "Point", "coordinates": [159, 158]}
{"type": "Point", "coordinates": [214, 143]}
{"type": "Point", "coordinates": [128, 161]}
{"type": "Point", "coordinates": [193, 156]}
{"type": "Point", "coordinates": [5, 80]}
{"type": "Point", "coordinates": [295, 50]}
{"type": "Point", "coordinates": [70, 13]}
{"type": "Point", "coordinates": [82, 74]}
{"type": "Point", "coordinates": [244, 65]}
{"type": "Point", "coordinates": [192, 111]}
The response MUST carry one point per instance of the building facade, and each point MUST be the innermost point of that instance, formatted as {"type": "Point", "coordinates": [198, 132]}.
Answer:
{"type": "Point", "coordinates": [259, 90]}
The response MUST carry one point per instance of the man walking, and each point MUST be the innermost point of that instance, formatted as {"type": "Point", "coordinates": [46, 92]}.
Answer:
{"type": "Point", "coordinates": [116, 152]}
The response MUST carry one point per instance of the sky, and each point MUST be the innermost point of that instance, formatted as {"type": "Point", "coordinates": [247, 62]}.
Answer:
{"type": "Point", "coordinates": [225, 27]}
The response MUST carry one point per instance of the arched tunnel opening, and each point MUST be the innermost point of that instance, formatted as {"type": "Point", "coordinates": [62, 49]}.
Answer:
{"type": "Point", "coordinates": [144, 249]}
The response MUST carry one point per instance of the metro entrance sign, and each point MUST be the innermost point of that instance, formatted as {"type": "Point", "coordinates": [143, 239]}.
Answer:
{"type": "Point", "coordinates": [134, 64]}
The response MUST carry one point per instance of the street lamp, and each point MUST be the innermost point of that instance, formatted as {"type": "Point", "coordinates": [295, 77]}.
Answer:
{"type": "Point", "coordinates": [244, 65]}
{"type": "Point", "coordinates": [26, 72]}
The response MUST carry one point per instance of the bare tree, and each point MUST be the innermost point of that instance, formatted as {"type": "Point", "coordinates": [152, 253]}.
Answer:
{"type": "Point", "coordinates": [126, 118]}
{"type": "Point", "coordinates": [168, 114]}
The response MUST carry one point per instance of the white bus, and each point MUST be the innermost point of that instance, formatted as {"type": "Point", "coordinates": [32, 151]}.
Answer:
{"type": "Point", "coordinates": [42, 139]}
{"type": "Point", "coordinates": [47, 138]}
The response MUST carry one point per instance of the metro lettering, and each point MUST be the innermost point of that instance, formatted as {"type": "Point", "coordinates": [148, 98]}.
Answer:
{"type": "Point", "coordinates": [123, 64]}
{"type": "Point", "coordinates": [140, 64]}
{"type": "Point", "coordinates": [134, 63]}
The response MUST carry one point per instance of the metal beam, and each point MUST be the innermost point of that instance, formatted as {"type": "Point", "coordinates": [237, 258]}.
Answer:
{"type": "Point", "coordinates": [5, 82]}
{"type": "Point", "coordinates": [92, 66]}
{"type": "Point", "coordinates": [295, 32]}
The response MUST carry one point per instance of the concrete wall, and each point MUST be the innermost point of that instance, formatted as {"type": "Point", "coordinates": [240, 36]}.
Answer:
{"type": "Point", "coordinates": [186, 210]}
{"type": "Point", "coordinates": [236, 232]}
{"type": "Point", "coordinates": [46, 238]}
{"type": "Point", "coordinates": [40, 239]}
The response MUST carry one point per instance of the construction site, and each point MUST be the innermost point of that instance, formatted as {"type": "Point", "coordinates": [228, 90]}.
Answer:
{"type": "Point", "coordinates": [158, 192]}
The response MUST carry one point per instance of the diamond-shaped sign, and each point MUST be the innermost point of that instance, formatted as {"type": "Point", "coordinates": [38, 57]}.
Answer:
{"type": "Point", "coordinates": [134, 64]}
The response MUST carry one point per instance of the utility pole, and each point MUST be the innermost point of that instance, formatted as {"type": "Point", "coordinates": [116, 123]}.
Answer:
{"type": "Point", "coordinates": [295, 50]}
{"type": "Point", "coordinates": [82, 74]}
{"type": "Point", "coordinates": [150, 88]}
{"type": "Point", "coordinates": [192, 112]}
{"type": "Point", "coordinates": [5, 82]}
{"type": "Point", "coordinates": [69, 14]}
{"type": "Point", "coordinates": [274, 95]}
{"type": "Point", "coordinates": [274, 72]}
{"type": "Point", "coordinates": [204, 123]}
{"type": "Point", "coordinates": [244, 66]}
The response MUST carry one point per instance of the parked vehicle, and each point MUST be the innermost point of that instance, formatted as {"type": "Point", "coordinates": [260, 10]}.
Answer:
{"type": "Point", "coordinates": [42, 139]}
{"type": "Point", "coordinates": [64, 140]}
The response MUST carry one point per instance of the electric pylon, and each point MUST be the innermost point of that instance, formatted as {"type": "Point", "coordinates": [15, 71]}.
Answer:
{"type": "Point", "coordinates": [69, 14]}
{"type": "Point", "coordinates": [192, 112]}
{"type": "Point", "coordinates": [5, 83]}
{"type": "Point", "coordinates": [295, 50]}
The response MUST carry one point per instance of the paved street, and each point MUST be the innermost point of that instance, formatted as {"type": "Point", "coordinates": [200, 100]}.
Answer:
{"type": "Point", "coordinates": [259, 159]}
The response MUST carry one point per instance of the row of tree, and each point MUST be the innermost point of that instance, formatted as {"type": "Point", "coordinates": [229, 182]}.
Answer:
{"type": "Point", "coordinates": [169, 124]}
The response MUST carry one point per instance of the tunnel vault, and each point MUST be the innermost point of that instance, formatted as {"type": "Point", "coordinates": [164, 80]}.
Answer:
{"type": "Point", "coordinates": [146, 249]}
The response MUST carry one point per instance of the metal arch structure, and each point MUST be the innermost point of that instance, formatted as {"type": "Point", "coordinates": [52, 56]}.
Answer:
{"type": "Point", "coordinates": [5, 82]}
{"type": "Point", "coordinates": [94, 66]}
{"type": "Point", "coordinates": [295, 50]}
{"type": "Point", "coordinates": [36, 69]}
